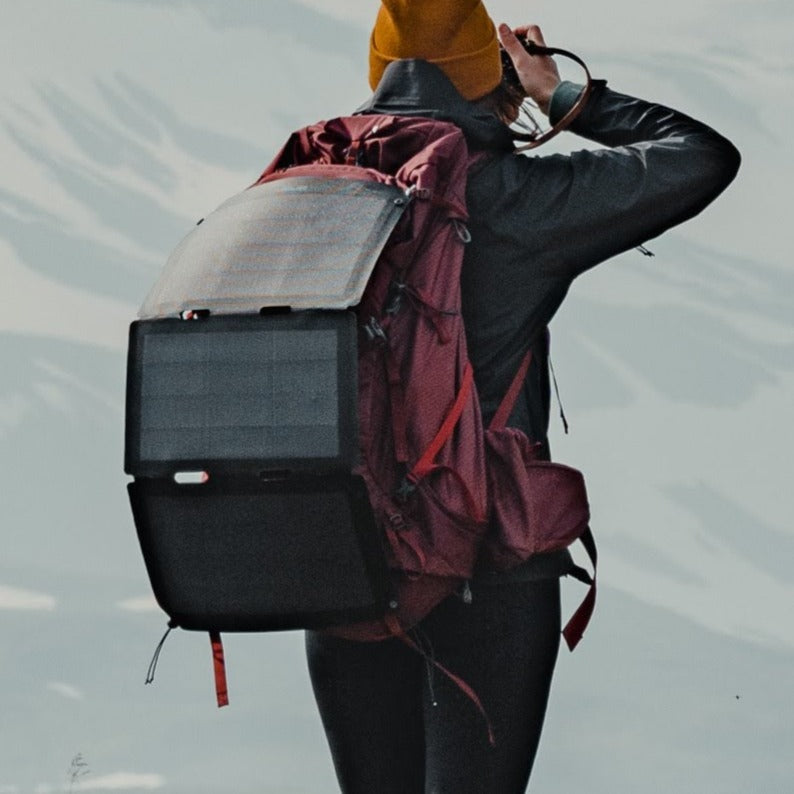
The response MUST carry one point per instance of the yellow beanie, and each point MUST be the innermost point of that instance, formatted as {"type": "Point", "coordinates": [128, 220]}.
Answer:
{"type": "Point", "coordinates": [458, 36]}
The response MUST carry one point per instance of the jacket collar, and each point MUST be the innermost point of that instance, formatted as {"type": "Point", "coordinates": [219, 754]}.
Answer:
{"type": "Point", "coordinates": [418, 88]}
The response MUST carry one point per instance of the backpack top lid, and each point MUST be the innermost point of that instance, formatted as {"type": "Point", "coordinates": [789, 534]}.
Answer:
{"type": "Point", "coordinates": [303, 242]}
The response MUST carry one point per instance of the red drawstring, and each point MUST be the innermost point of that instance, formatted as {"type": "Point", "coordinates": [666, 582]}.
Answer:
{"type": "Point", "coordinates": [396, 629]}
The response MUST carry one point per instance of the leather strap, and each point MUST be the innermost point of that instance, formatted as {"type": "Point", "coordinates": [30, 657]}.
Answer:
{"type": "Point", "coordinates": [576, 108]}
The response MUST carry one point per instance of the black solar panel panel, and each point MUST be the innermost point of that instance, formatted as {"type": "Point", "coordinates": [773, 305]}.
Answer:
{"type": "Point", "coordinates": [240, 394]}
{"type": "Point", "coordinates": [246, 555]}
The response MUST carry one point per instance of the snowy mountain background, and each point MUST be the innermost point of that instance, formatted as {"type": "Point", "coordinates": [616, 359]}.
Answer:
{"type": "Point", "coordinates": [124, 121]}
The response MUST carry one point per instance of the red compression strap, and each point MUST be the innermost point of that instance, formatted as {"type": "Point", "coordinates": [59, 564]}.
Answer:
{"type": "Point", "coordinates": [425, 464]}
{"type": "Point", "coordinates": [576, 626]}
{"type": "Point", "coordinates": [397, 630]}
{"type": "Point", "coordinates": [508, 403]}
{"type": "Point", "coordinates": [221, 691]}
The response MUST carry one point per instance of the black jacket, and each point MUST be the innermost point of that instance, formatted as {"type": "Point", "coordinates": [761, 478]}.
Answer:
{"type": "Point", "coordinates": [538, 222]}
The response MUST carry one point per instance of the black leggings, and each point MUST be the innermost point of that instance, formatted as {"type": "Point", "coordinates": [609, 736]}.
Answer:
{"type": "Point", "coordinates": [396, 725]}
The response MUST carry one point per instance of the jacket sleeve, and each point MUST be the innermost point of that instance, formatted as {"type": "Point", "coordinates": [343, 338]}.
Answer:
{"type": "Point", "coordinates": [657, 168]}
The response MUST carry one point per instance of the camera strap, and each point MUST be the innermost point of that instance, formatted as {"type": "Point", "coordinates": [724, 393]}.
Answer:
{"type": "Point", "coordinates": [575, 110]}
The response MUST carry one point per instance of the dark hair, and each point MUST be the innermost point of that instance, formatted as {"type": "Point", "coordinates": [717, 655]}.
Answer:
{"type": "Point", "coordinates": [503, 101]}
{"type": "Point", "coordinates": [508, 102]}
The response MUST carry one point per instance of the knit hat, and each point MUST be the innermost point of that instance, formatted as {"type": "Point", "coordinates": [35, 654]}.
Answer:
{"type": "Point", "coordinates": [458, 36]}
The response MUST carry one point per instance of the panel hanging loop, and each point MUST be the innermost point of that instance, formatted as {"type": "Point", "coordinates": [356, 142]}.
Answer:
{"type": "Point", "coordinates": [156, 657]}
{"type": "Point", "coordinates": [464, 235]}
{"type": "Point", "coordinates": [394, 298]}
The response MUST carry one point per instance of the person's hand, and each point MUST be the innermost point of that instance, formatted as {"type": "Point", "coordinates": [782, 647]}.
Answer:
{"type": "Point", "coordinates": [538, 73]}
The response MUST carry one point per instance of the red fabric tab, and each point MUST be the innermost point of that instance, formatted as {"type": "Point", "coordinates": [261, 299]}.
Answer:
{"type": "Point", "coordinates": [219, 664]}
{"type": "Point", "coordinates": [580, 619]}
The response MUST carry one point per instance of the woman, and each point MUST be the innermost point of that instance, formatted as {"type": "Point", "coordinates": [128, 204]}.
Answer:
{"type": "Point", "coordinates": [536, 223]}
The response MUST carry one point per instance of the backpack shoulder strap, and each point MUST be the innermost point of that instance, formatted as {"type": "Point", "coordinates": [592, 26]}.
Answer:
{"type": "Point", "coordinates": [505, 408]}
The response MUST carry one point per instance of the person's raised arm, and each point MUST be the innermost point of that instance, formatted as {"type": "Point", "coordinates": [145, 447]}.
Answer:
{"type": "Point", "coordinates": [659, 168]}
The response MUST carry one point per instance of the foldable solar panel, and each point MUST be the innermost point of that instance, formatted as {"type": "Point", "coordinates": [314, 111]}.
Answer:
{"type": "Point", "coordinates": [303, 242]}
{"type": "Point", "coordinates": [253, 402]}
{"type": "Point", "coordinates": [242, 436]}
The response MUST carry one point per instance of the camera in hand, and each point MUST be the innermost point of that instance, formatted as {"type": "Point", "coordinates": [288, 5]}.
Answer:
{"type": "Point", "coordinates": [509, 73]}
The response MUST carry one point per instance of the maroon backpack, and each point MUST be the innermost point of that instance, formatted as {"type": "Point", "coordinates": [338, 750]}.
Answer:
{"type": "Point", "coordinates": [443, 492]}
{"type": "Point", "coordinates": [446, 490]}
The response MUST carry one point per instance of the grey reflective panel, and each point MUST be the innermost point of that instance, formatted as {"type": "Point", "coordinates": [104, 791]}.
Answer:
{"type": "Point", "coordinates": [303, 242]}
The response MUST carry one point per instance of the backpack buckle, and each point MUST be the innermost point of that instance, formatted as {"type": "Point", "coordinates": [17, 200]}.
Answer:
{"type": "Point", "coordinates": [464, 235]}
{"type": "Point", "coordinates": [374, 331]}
{"type": "Point", "coordinates": [404, 490]}
{"type": "Point", "coordinates": [395, 297]}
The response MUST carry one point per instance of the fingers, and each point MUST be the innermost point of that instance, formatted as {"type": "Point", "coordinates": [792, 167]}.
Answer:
{"type": "Point", "coordinates": [538, 75]}
{"type": "Point", "coordinates": [531, 32]}
{"type": "Point", "coordinates": [510, 43]}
